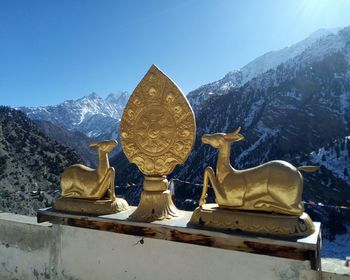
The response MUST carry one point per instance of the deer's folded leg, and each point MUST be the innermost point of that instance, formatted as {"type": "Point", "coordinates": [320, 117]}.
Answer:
{"type": "Point", "coordinates": [104, 185]}
{"type": "Point", "coordinates": [111, 189]}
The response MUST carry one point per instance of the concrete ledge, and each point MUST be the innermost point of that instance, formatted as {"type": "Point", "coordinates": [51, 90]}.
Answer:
{"type": "Point", "coordinates": [179, 230]}
{"type": "Point", "coordinates": [334, 276]}
{"type": "Point", "coordinates": [32, 251]}
{"type": "Point", "coordinates": [25, 247]}
{"type": "Point", "coordinates": [335, 266]}
{"type": "Point", "coordinates": [21, 219]}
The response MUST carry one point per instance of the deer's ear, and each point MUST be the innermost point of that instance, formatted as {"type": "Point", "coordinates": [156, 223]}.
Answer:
{"type": "Point", "coordinates": [237, 130]}
{"type": "Point", "coordinates": [93, 145]}
{"type": "Point", "coordinates": [233, 135]}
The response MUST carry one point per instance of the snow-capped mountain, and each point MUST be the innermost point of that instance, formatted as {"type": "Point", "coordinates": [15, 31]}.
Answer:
{"type": "Point", "coordinates": [100, 126]}
{"type": "Point", "coordinates": [92, 115]}
{"type": "Point", "coordinates": [268, 61]}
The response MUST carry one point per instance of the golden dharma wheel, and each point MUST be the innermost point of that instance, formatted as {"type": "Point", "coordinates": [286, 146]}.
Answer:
{"type": "Point", "coordinates": [158, 126]}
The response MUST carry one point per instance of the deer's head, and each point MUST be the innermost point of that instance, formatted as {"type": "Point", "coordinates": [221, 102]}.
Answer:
{"type": "Point", "coordinates": [218, 140]}
{"type": "Point", "coordinates": [105, 146]}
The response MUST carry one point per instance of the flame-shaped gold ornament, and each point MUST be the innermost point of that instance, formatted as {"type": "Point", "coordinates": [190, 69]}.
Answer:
{"type": "Point", "coordinates": [157, 132]}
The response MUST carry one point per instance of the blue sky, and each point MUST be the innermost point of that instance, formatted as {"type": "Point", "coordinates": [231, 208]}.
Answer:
{"type": "Point", "coordinates": [55, 50]}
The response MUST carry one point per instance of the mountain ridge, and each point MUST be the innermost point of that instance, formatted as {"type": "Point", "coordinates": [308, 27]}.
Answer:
{"type": "Point", "coordinates": [261, 64]}
{"type": "Point", "coordinates": [91, 114]}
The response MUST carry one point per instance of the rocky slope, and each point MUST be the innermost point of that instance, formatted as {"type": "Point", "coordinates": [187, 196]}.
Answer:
{"type": "Point", "coordinates": [30, 164]}
{"type": "Point", "coordinates": [335, 157]}
{"type": "Point", "coordinates": [73, 139]}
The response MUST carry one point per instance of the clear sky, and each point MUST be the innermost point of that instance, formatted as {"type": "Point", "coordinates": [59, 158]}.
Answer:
{"type": "Point", "coordinates": [55, 50]}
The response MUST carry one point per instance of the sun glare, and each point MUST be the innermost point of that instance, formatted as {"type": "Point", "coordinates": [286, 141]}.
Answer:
{"type": "Point", "coordinates": [314, 9]}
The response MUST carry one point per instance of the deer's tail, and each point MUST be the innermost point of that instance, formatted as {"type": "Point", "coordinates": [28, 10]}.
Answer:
{"type": "Point", "coordinates": [310, 168]}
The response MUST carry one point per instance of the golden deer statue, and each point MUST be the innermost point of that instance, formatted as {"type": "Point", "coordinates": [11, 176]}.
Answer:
{"type": "Point", "coordinates": [80, 181]}
{"type": "Point", "coordinates": [275, 186]}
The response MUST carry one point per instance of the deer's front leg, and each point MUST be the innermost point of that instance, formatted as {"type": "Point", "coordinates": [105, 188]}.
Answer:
{"type": "Point", "coordinates": [111, 189]}
{"type": "Point", "coordinates": [209, 176]}
{"type": "Point", "coordinates": [105, 186]}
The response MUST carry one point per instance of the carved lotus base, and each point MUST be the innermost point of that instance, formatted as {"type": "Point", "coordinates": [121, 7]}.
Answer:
{"type": "Point", "coordinates": [155, 206]}
{"type": "Point", "coordinates": [211, 216]}
{"type": "Point", "coordinates": [88, 206]}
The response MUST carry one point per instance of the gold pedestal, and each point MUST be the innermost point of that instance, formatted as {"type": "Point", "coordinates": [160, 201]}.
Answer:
{"type": "Point", "coordinates": [211, 216]}
{"type": "Point", "coordinates": [88, 206]}
{"type": "Point", "coordinates": [156, 202]}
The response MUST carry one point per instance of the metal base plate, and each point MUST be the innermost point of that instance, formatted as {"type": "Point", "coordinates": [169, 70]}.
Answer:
{"type": "Point", "coordinates": [212, 216]}
{"type": "Point", "coordinates": [89, 206]}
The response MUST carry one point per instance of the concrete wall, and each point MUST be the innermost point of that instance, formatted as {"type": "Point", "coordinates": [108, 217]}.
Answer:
{"type": "Point", "coordinates": [43, 251]}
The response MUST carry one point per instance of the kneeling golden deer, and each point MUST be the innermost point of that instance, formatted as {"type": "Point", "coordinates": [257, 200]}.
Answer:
{"type": "Point", "coordinates": [275, 186]}
{"type": "Point", "coordinates": [80, 181]}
